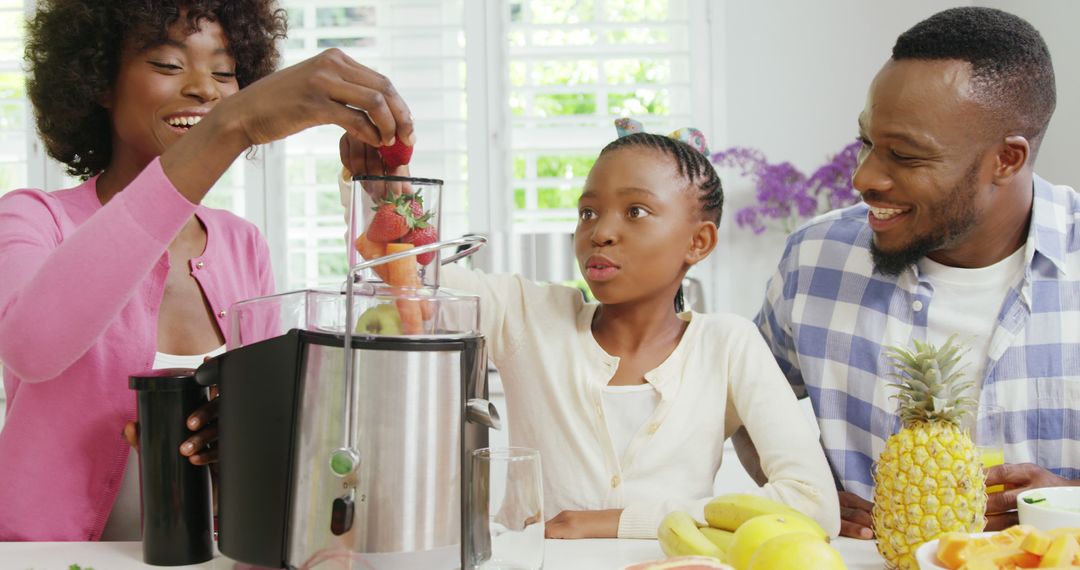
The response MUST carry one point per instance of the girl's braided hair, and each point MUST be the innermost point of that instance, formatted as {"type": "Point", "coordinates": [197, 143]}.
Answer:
{"type": "Point", "coordinates": [690, 163]}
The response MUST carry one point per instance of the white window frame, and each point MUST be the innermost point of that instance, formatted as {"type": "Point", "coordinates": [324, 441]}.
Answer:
{"type": "Point", "coordinates": [488, 132]}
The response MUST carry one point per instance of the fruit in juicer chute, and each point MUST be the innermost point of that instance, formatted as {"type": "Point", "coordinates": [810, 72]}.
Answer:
{"type": "Point", "coordinates": [371, 250]}
{"type": "Point", "coordinates": [929, 479]}
{"type": "Point", "coordinates": [405, 273]}
{"type": "Point", "coordinates": [393, 219]}
{"type": "Point", "coordinates": [380, 320]}
{"type": "Point", "coordinates": [422, 235]}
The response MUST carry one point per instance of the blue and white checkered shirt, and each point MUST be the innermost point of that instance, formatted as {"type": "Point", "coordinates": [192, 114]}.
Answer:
{"type": "Point", "coordinates": [827, 316]}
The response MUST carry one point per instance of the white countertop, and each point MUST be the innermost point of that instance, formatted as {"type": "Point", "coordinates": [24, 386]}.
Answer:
{"type": "Point", "coordinates": [595, 554]}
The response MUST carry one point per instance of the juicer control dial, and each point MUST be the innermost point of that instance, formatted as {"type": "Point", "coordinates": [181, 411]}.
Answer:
{"type": "Point", "coordinates": [341, 515]}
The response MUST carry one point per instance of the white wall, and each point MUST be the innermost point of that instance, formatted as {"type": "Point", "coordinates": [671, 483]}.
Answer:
{"type": "Point", "coordinates": [796, 75]}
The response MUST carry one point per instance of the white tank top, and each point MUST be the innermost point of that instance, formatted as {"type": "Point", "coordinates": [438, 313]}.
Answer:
{"type": "Point", "coordinates": [124, 519]}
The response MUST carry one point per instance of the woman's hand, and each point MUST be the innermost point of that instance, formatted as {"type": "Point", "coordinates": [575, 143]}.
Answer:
{"type": "Point", "coordinates": [329, 88]}
{"type": "Point", "coordinates": [200, 448]}
{"type": "Point", "coordinates": [197, 448]}
{"type": "Point", "coordinates": [584, 524]}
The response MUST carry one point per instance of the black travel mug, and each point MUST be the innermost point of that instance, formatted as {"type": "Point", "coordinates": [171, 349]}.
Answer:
{"type": "Point", "coordinates": [177, 518]}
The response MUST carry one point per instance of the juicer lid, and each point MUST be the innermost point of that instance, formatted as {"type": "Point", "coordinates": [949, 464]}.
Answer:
{"type": "Point", "coordinates": [363, 177]}
{"type": "Point", "coordinates": [164, 380]}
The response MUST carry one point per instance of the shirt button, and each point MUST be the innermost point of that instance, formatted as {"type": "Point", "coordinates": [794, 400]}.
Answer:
{"type": "Point", "coordinates": [199, 265]}
{"type": "Point", "coordinates": [653, 427]}
{"type": "Point", "coordinates": [916, 306]}
{"type": "Point", "coordinates": [221, 314]}
{"type": "Point", "coordinates": [615, 481]}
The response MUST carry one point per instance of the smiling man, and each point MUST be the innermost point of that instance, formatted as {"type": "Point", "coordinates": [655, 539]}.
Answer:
{"type": "Point", "coordinates": [956, 235]}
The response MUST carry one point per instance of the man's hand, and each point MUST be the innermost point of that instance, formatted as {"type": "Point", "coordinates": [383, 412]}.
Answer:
{"type": "Point", "coordinates": [855, 519]}
{"type": "Point", "coordinates": [1017, 478]}
{"type": "Point", "coordinates": [584, 524]}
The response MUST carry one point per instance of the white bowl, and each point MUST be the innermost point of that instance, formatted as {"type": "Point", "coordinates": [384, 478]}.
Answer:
{"type": "Point", "coordinates": [1049, 514]}
{"type": "Point", "coordinates": [926, 555]}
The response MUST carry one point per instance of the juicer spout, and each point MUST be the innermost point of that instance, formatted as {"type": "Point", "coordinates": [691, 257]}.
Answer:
{"type": "Point", "coordinates": [483, 412]}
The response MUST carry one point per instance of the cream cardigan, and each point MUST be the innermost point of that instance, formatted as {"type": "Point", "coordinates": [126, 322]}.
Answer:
{"type": "Point", "coordinates": [720, 377]}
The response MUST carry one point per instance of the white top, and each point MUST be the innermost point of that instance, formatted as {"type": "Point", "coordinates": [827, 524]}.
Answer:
{"type": "Point", "coordinates": [626, 409]}
{"type": "Point", "coordinates": [966, 303]}
{"type": "Point", "coordinates": [124, 519]}
{"type": "Point", "coordinates": [721, 376]}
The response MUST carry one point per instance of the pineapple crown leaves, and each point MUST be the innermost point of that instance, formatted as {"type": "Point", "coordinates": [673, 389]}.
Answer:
{"type": "Point", "coordinates": [929, 384]}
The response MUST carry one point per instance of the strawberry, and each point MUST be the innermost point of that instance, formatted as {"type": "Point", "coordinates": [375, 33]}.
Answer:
{"type": "Point", "coordinates": [423, 234]}
{"type": "Point", "coordinates": [416, 205]}
{"type": "Point", "coordinates": [396, 154]}
{"type": "Point", "coordinates": [393, 219]}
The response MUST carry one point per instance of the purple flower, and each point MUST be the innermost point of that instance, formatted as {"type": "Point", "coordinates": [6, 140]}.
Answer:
{"type": "Point", "coordinates": [784, 193]}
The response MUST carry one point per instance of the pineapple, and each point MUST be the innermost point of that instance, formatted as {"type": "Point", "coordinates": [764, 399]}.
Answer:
{"type": "Point", "coordinates": [929, 479]}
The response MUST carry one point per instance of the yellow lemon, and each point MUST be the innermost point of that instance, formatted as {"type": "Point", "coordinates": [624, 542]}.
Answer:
{"type": "Point", "coordinates": [796, 551]}
{"type": "Point", "coordinates": [754, 532]}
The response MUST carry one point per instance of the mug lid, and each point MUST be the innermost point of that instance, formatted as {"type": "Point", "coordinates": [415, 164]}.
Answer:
{"type": "Point", "coordinates": [164, 379]}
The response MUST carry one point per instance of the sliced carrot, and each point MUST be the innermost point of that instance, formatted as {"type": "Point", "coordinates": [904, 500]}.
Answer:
{"type": "Point", "coordinates": [406, 273]}
{"type": "Point", "coordinates": [403, 272]}
{"type": "Point", "coordinates": [371, 250]}
{"type": "Point", "coordinates": [412, 318]}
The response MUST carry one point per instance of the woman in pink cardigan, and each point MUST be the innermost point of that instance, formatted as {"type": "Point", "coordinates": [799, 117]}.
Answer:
{"type": "Point", "coordinates": [128, 271]}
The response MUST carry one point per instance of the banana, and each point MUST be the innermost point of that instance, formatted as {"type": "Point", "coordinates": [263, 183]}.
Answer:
{"type": "Point", "coordinates": [727, 512]}
{"type": "Point", "coordinates": [679, 536]}
{"type": "Point", "coordinates": [721, 538]}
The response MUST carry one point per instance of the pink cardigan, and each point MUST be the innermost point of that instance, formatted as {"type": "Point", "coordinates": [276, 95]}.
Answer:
{"type": "Point", "coordinates": [80, 289]}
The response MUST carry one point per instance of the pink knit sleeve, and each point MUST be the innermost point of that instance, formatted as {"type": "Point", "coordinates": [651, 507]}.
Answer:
{"type": "Point", "coordinates": [61, 286]}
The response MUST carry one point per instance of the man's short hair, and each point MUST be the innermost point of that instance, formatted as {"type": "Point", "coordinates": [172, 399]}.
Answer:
{"type": "Point", "coordinates": [1010, 64]}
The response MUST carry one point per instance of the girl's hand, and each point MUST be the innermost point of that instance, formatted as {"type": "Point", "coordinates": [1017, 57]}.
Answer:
{"type": "Point", "coordinates": [329, 88]}
{"type": "Point", "coordinates": [584, 524]}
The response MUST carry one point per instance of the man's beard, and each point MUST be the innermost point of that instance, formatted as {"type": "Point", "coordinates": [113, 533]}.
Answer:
{"type": "Point", "coordinates": [953, 221]}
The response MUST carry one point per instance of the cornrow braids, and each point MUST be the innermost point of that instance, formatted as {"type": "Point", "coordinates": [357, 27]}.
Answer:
{"type": "Point", "coordinates": [689, 162]}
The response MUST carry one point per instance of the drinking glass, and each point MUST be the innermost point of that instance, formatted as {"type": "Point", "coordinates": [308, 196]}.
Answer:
{"type": "Point", "coordinates": [988, 434]}
{"type": "Point", "coordinates": [508, 505]}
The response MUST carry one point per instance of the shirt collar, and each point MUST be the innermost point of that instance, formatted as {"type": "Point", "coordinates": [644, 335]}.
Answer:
{"type": "Point", "coordinates": [1049, 228]}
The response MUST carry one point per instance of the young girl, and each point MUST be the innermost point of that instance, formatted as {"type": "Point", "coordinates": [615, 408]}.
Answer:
{"type": "Point", "coordinates": [630, 400]}
{"type": "Point", "coordinates": [149, 103]}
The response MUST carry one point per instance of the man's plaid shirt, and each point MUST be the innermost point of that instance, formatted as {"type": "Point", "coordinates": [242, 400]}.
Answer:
{"type": "Point", "coordinates": [827, 316]}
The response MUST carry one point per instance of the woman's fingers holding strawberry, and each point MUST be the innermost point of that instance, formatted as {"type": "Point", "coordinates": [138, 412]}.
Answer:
{"type": "Point", "coordinates": [329, 88]}
{"type": "Point", "coordinates": [384, 106]}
